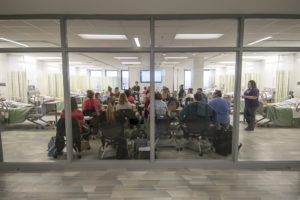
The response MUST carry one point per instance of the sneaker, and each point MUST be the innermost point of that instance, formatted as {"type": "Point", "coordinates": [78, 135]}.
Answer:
{"type": "Point", "coordinates": [249, 129]}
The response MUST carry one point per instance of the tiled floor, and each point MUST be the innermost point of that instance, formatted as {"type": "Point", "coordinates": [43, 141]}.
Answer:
{"type": "Point", "coordinates": [22, 142]}
{"type": "Point", "coordinates": [122, 184]}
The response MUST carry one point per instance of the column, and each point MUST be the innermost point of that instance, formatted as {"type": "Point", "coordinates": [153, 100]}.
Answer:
{"type": "Point", "coordinates": [197, 72]}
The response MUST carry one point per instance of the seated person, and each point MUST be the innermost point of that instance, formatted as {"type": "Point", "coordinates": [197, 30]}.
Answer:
{"type": "Point", "coordinates": [109, 89]}
{"type": "Point", "coordinates": [165, 94]}
{"type": "Point", "coordinates": [98, 97]}
{"type": "Point", "coordinates": [130, 98]}
{"type": "Point", "coordinates": [198, 108]}
{"type": "Point", "coordinates": [145, 91]}
{"type": "Point", "coordinates": [189, 97]}
{"type": "Point", "coordinates": [76, 113]}
{"type": "Point", "coordinates": [161, 107]}
{"type": "Point", "coordinates": [222, 107]}
{"type": "Point", "coordinates": [117, 92]}
{"type": "Point", "coordinates": [204, 97]}
{"type": "Point", "coordinates": [173, 104]}
{"type": "Point", "coordinates": [110, 115]}
{"type": "Point", "coordinates": [123, 103]}
{"type": "Point", "coordinates": [91, 105]}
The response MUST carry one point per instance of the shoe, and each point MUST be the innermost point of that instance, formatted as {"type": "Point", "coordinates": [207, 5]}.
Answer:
{"type": "Point", "coordinates": [249, 129]}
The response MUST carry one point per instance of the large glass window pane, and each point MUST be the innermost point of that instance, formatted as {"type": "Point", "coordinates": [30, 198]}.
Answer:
{"type": "Point", "coordinates": [179, 120]}
{"type": "Point", "coordinates": [108, 33]}
{"type": "Point", "coordinates": [270, 123]}
{"type": "Point", "coordinates": [116, 125]}
{"type": "Point", "coordinates": [196, 33]}
{"type": "Point", "coordinates": [272, 33]}
{"type": "Point", "coordinates": [29, 33]}
{"type": "Point", "coordinates": [32, 95]}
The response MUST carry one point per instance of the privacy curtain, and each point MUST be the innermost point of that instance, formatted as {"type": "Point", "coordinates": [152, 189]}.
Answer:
{"type": "Point", "coordinates": [17, 86]}
{"type": "Point", "coordinates": [284, 84]}
{"type": "Point", "coordinates": [53, 85]}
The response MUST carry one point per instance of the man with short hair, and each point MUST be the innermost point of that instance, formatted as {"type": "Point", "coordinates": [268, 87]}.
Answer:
{"type": "Point", "coordinates": [136, 91]}
{"type": "Point", "coordinates": [204, 97]}
{"type": "Point", "coordinates": [222, 107]}
{"type": "Point", "coordinates": [198, 108]}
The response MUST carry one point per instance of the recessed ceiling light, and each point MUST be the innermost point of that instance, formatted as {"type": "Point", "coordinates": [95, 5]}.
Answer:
{"type": "Point", "coordinates": [12, 41]}
{"type": "Point", "coordinates": [260, 40]}
{"type": "Point", "coordinates": [137, 42]}
{"type": "Point", "coordinates": [131, 63]}
{"type": "Point", "coordinates": [197, 36]}
{"type": "Point", "coordinates": [126, 58]}
{"type": "Point", "coordinates": [102, 37]}
{"type": "Point", "coordinates": [170, 62]}
{"type": "Point", "coordinates": [48, 58]}
{"type": "Point", "coordinates": [176, 58]}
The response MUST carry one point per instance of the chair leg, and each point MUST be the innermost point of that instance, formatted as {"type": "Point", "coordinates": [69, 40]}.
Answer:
{"type": "Point", "coordinates": [199, 144]}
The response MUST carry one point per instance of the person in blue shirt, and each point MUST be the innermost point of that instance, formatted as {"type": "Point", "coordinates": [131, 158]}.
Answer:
{"type": "Point", "coordinates": [251, 104]}
{"type": "Point", "coordinates": [222, 107]}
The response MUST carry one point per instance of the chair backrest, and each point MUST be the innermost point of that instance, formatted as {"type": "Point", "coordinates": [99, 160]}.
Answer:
{"type": "Point", "coordinates": [111, 130]}
{"type": "Point", "coordinates": [188, 100]}
{"type": "Point", "coordinates": [196, 124]}
{"type": "Point", "coordinates": [162, 124]}
{"type": "Point", "coordinates": [61, 130]}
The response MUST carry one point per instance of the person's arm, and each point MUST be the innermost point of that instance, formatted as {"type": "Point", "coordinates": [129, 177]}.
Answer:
{"type": "Point", "coordinates": [84, 106]}
{"type": "Point", "coordinates": [182, 113]}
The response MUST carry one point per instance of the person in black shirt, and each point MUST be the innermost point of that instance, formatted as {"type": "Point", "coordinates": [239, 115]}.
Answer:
{"type": "Point", "coordinates": [204, 97]}
{"type": "Point", "coordinates": [136, 91]}
{"type": "Point", "coordinates": [181, 94]}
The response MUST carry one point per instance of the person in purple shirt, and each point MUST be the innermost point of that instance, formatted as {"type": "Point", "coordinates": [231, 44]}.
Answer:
{"type": "Point", "coordinates": [222, 107]}
{"type": "Point", "coordinates": [251, 104]}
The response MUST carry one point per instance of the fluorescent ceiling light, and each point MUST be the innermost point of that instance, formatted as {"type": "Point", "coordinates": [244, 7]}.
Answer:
{"type": "Point", "coordinates": [254, 57]}
{"type": "Point", "coordinates": [48, 58]}
{"type": "Point", "coordinates": [170, 62]}
{"type": "Point", "coordinates": [7, 40]}
{"type": "Point", "coordinates": [102, 37]}
{"type": "Point", "coordinates": [260, 40]}
{"type": "Point", "coordinates": [137, 42]}
{"type": "Point", "coordinates": [131, 63]}
{"type": "Point", "coordinates": [227, 62]}
{"type": "Point", "coordinates": [126, 58]}
{"type": "Point", "coordinates": [176, 58]}
{"type": "Point", "coordinates": [197, 36]}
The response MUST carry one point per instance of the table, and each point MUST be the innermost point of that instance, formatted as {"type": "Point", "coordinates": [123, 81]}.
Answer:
{"type": "Point", "coordinates": [58, 107]}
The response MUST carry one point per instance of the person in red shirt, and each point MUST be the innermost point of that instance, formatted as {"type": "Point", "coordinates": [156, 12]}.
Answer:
{"type": "Point", "coordinates": [91, 104]}
{"type": "Point", "coordinates": [76, 114]}
{"type": "Point", "coordinates": [111, 94]}
{"type": "Point", "coordinates": [129, 97]}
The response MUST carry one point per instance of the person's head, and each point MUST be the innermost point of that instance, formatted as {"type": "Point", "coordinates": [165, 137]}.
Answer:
{"type": "Point", "coordinates": [90, 94]}
{"type": "Point", "coordinates": [122, 99]}
{"type": "Point", "coordinates": [217, 94]}
{"type": "Point", "coordinates": [200, 90]}
{"type": "Point", "coordinates": [158, 96]}
{"type": "Point", "coordinates": [109, 89]}
{"type": "Point", "coordinates": [74, 105]}
{"type": "Point", "coordinates": [197, 97]}
{"type": "Point", "coordinates": [136, 83]}
{"type": "Point", "coordinates": [181, 86]}
{"type": "Point", "coordinates": [110, 115]}
{"type": "Point", "coordinates": [190, 90]}
{"type": "Point", "coordinates": [116, 89]}
{"type": "Point", "coordinates": [97, 95]}
{"type": "Point", "coordinates": [251, 84]}
{"type": "Point", "coordinates": [127, 92]}
{"type": "Point", "coordinates": [174, 94]}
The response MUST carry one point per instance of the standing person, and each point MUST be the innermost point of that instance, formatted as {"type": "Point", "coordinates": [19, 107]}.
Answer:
{"type": "Point", "coordinates": [181, 94]}
{"type": "Point", "coordinates": [117, 92]}
{"type": "Point", "coordinates": [145, 91]}
{"type": "Point", "coordinates": [222, 107]}
{"type": "Point", "coordinates": [136, 91]}
{"type": "Point", "coordinates": [109, 89]}
{"type": "Point", "coordinates": [251, 104]}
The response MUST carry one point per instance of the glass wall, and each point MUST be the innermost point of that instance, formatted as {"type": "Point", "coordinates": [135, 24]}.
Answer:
{"type": "Point", "coordinates": [33, 83]}
{"type": "Point", "coordinates": [118, 128]}
{"type": "Point", "coordinates": [195, 73]}
{"type": "Point", "coordinates": [32, 98]}
{"type": "Point", "coordinates": [274, 132]}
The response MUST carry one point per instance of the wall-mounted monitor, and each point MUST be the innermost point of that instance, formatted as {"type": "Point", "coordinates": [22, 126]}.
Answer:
{"type": "Point", "coordinates": [145, 76]}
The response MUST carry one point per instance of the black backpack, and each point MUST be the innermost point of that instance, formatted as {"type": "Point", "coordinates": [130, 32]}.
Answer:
{"type": "Point", "coordinates": [222, 141]}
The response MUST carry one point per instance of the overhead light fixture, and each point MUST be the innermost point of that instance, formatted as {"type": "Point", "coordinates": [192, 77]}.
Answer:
{"type": "Point", "coordinates": [170, 63]}
{"type": "Point", "coordinates": [254, 57]}
{"type": "Point", "coordinates": [102, 37]}
{"type": "Point", "coordinates": [48, 58]}
{"type": "Point", "coordinates": [126, 58]}
{"type": "Point", "coordinates": [197, 36]}
{"type": "Point", "coordinates": [12, 41]}
{"type": "Point", "coordinates": [260, 40]}
{"type": "Point", "coordinates": [227, 62]}
{"type": "Point", "coordinates": [131, 63]}
{"type": "Point", "coordinates": [176, 58]}
{"type": "Point", "coordinates": [137, 42]}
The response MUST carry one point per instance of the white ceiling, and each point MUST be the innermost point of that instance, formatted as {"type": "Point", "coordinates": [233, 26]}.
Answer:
{"type": "Point", "coordinates": [150, 7]}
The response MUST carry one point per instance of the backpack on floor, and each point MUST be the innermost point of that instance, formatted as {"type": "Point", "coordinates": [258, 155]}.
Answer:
{"type": "Point", "coordinates": [222, 141]}
{"type": "Point", "coordinates": [51, 147]}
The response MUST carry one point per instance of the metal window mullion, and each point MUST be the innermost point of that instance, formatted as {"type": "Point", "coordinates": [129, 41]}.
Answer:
{"type": "Point", "coordinates": [237, 90]}
{"type": "Point", "coordinates": [152, 87]}
{"type": "Point", "coordinates": [66, 82]}
{"type": "Point", "coordinates": [1, 148]}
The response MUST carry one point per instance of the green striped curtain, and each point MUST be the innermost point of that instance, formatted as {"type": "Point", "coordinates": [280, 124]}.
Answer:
{"type": "Point", "coordinates": [284, 84]}
{"type": "Point", "coordinates": [251, 76]}
{"type": "Point", "coordinates": [53, 85]}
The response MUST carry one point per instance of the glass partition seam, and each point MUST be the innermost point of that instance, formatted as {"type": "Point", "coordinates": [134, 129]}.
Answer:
{"type": "Point", "coordinates": [152, 85]}
{"type": "Point", "coordinates": [237, 89]}
{"type": "Point", "coordinates": [66, 83]}
{"type": "Point", "coordinates": [1, 148]}
{"type": "Point", "coordinates": [31, 50]}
